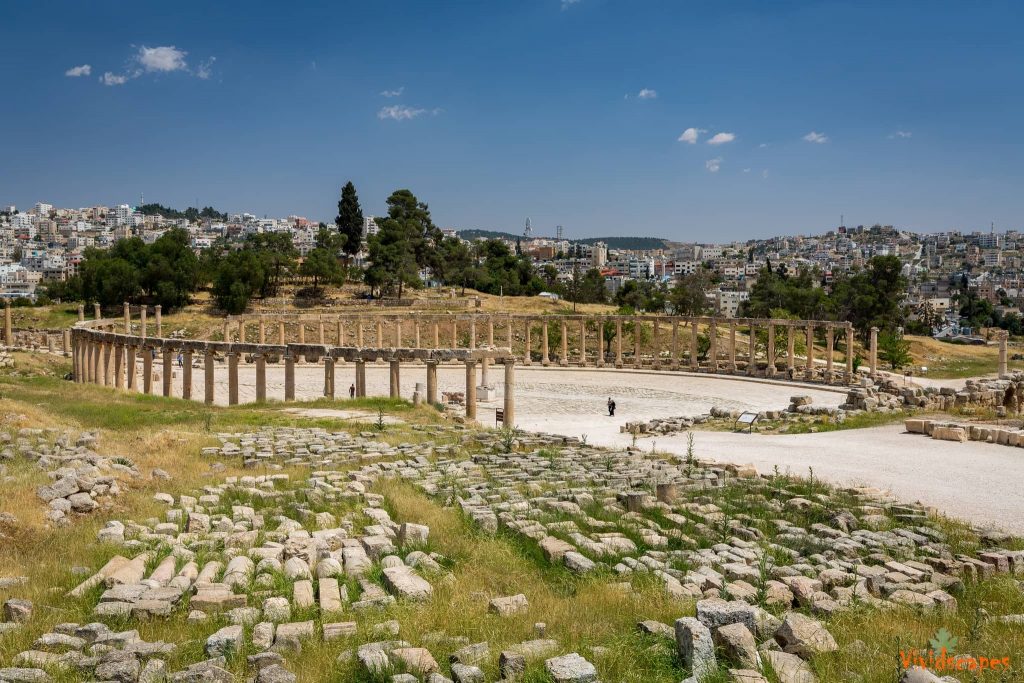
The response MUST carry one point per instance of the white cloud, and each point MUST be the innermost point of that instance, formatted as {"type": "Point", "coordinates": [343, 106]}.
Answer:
{"type": "Point", "coordinates": [400, 112]}
{"type": "Point", "coordinates": [816, 137]}
{"type": "Point", "coordinates": [205, 69]}
{"type": "Point", "coordinates": [721, 138]}
{"type": "Point", "coordinates": [397, 92]}
{"type": "Point", "coordinates": [746, 170]}
{"type": "Point", "coordinates": [713, 164]}
{"type": "Point", "coordinates": [566, 4]}
{"type": "Point", "coordinates": [76, 71]}
{"type": "Point", "coordinates": [901, 134]}
{"type": "Point", "coordinates": [648, 94]}
{"type": "Point", "coordinates": [690, 135]}
{"type": "Point", "coordinates": [763, 145]}
{"type": "Point", "coordinates": [162, 59]}
{"type": "Point", "coordinates": [113, 79]}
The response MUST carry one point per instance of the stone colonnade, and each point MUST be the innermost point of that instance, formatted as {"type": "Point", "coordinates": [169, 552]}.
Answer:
{"type": "Point", "coordinates": [104, 355]}
{"type": "Point", "coordinates": [701, 344]}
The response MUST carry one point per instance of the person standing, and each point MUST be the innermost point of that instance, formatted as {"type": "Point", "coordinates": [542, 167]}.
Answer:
{"type": "Point", "coordinates": [352, 391]}
{"type": "Point", "coordinates": [611, 407]}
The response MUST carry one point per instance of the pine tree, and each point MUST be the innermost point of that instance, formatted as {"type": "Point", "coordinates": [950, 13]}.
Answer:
{"type": "Point", "coordinates": [350, 219]}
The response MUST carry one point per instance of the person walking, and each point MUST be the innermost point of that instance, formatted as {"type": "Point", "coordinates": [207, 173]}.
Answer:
{"type": "Point", "coordinates": [352, 391]}
{"type": "Point", "coordinates": [611, 407]}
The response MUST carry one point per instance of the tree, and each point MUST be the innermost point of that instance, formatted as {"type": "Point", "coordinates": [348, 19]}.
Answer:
{"type": "Point", "coordinates": [321, 263]}
{"type": "Point", "coordinates": [872, 297]}
{"type": "Point", "coordinates": [350, 219]}
{"type": "Point", "coordinates": [894, 350]}
{"type": "Point", "coordinates": [455, 262]}
{"type": "Point", "coordinates": [689, 295]}
{"type": "Point", "coordinates": [406, 241]}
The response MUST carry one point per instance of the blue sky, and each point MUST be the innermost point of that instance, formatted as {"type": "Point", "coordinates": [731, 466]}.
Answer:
{"type": "Point", "coordinates": [570, 112]}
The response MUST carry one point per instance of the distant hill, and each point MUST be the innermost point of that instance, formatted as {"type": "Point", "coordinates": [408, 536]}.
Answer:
{"type": "Point", "coordinates": [628, 242]}
{"type": "Point", "coordinates": [638, 243]}
{"type": "Point", "coordinates": [486, 234]}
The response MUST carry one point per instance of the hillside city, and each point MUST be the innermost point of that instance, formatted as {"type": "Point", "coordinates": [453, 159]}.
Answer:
{"type": "Point", "coordinates": [46, 244]}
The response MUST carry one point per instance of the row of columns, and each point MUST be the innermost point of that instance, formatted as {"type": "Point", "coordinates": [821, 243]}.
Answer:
{"type": "Point", "coordinates": [410, 333]}
{"type": "Point", "coordinates": [114, 364]}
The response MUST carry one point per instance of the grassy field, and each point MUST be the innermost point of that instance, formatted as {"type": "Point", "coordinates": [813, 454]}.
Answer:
{"type": "Point", "coordinates": [955, 361]}
{"type": "Point", "coordinates": [588, 614]}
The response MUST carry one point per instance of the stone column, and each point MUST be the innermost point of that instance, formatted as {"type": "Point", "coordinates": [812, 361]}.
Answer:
{"type": "Point", "coordinates": [380, 334]}
{"type": "Point", "coordinates": [637, 331]}
{"type": "Point", "coordinates": [227, 327]}
{"type": "Point", "coordinates": [289, 376]}
{"type": "Point", "coordinates": [694, 361]}
{"type": "Point", "coordinates": [142, 321]}
{"type": "Point", "coordinates": [849, 353]}
{"type": "Point", "coordinates": [186, 374]}
{"type": "Point", "coordinates": [470, 389]}
{"type": "Point", "coordinates": [131, 375]}
{"type": "Point", "coordinates": [263, 331]}
{"type": "Point", "coordinates": [158, 311]}
{"type": "Point", "coordinates": [108, 364]}
{"type": "Point", "coordinates": [359, 332]}
{"type": "Point", "coordinates": [674, 363]}
{"type": "Point", "coordinates": [8, 329]}
{"type": "Point", "coordinates": [261, 377]}
{"type": "Point", "coordinates": [320, 324]}
{"type": "Point", "coordinates": [416, 333]}
{"type": "Point", "coordinates": [770, 350]}
{"type": "Point", "coordinates": [510, 395]}
{"type": "Point", "coordinates": [791, 349]}
{"type": "Point", "coordinates": [302, 331]}
{"type": "Point", "coordinates": [455, 332]}
{"type": "Point", "coordinates": [436, 328]}
{"type": "Point", "coordinates": [395, 385]}
{"type": "Point", "coordinates": [527, 360]}
{"type": "Point", "coordinates": [1003, 335]}
{"type": "Point", "coordinates": [874, 351]}
{"type": "Point", "coordinates": [96, 369]}
{"type": "Point", "coordinates": [360, 378]}
{"type": "Point", "coordinates": [732, 346]}
{"type": "Point", "coordinates": [329, 377]}
{"type": "Point", "coordinates": [618, 342]}
{"type": "Point", "coordinates": [509, 333]}
{"type": "Point", "coordinates": [97, 314]}
{"type": "Point", "coordinates": [472, 331]}
{"type": "Point", "coordinates": [66, 342]}
{"type": "Point", "coordinates": [232, 378]}
{"type": "Point", "coordinates": [713, 347]}
{"type": "Point", "coordinates": [118, 366]}
{"type": "Point", "coordinates": [168, 359]}
{"type": "Point", "coordinates": [809, 370]}
{"type": "Point", "coordinates": [564, 360]}
{"type": "Point", "coordinates": [127, 318]}
{"type": "Point", "coordinates": [208, 377]}
{"type": "Point", "coordinates": [398, 334]}
{"type": "Point", "coordinates": [599, 321]}
{"type": "Point", "coordinates": [281, 333]}
{"type": "Point", "coordinates": [432, 382]}
{"type": "Point", "coordinates": [829, 349]}
{"type": "Point", "coordinates": [544, 359]}
{"type": "Point", "coordinates": [341, 332]}
{"type": "Point", "coordinates": [81, 312]}
{"type": "Point", "coordinates": [147, 370]}
{"type": "Point", "coordinates": [656, 344]}
{"type": "Point", "coordinates": [752, 339]}
{"type": "Point", "coordinates": [583, 343]}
